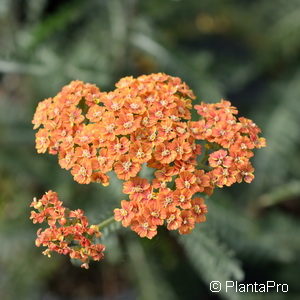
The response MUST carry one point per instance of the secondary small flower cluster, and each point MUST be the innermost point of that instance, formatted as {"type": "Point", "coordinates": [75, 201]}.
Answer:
{"type": "Point", "coordinates": [69, 232]}
{"type": "Point", "coordinates": [147, 121]}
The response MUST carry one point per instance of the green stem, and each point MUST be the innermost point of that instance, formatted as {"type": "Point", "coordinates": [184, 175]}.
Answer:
{"type": "Point", "coordinates": [106, 222]}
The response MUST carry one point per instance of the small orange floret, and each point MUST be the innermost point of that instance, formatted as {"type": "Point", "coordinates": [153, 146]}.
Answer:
{"type": "Point", "coordinates": [164, 154]}
{"type": "Point", "coordinates": [143, 228]}
{"type": "Point", "coordinates": [125, 168]}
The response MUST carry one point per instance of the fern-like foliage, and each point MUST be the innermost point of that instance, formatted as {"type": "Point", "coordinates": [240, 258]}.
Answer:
{"type": "Point", "coordinates": [212, 259]}
{"type": "Point", "coordinates": [282, 132]}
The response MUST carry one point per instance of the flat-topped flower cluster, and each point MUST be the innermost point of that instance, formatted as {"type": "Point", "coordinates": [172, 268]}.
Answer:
{"type": "Point", "coordinates": [146, 121]}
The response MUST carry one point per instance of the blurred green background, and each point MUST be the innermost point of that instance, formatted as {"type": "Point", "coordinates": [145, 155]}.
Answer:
{"type": "Point", "coordinates": [245, 51]}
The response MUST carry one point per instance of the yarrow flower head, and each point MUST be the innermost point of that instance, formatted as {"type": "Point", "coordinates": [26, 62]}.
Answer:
{"type": "Point", "coordinates": [146, 121]}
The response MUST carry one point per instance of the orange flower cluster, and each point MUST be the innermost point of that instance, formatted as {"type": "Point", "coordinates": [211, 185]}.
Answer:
{"type": "Point", "coordinates": [233, 138]}
{"type": "Point", "coordinates": [69, 232]}
{"type": "Point", "coordinates": [146, 121]}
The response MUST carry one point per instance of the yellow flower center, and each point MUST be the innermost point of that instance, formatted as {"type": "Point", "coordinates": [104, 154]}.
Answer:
{"type": "Point", "coordinates": [187, 184]}
{"type": "Point", "coordinates": [134, 105]}
{"type": "Point", "coordinates": [123, 212]}
{"type": "Point", "coordinates": [145, 225]}
{"type": "Point", "coordinates": [126, 165]}
{"type": "Point", "coordinates": [181, 198]}
{"type": "Point", "coordinates": [82, 171]}
{"type": "Point", "coordinates": [159, 114]}
{"type": "Point", "coordinates": [115, 106]}
{"type": "Point", "coordinates": [165, 153]}
{"type": "Point", "coordinates": [110, 128]}
{"type": "Point", "coordinates": [128, 124]}
{"type": "Point", "coordinates": [140, 154]}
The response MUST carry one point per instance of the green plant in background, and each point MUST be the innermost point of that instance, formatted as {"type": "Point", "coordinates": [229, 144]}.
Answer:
{"type": "Point", "coordinates": [246, 51]}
